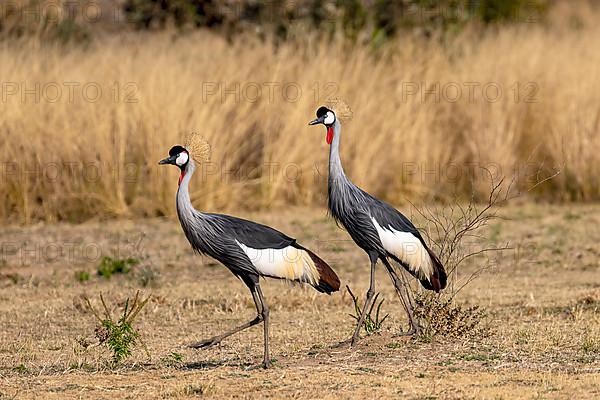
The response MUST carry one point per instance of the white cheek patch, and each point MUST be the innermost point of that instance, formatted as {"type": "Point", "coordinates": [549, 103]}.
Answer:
{"type": "Point", "coordinates": [182, 158]}
{"type": "Point", "coordinates": [330, 118]}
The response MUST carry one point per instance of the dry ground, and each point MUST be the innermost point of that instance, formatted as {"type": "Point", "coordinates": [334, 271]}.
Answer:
{"type": "Point", "coordinates": [542, 299]}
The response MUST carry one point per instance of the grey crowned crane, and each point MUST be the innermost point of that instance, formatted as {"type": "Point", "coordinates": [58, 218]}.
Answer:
{"type": "Point", "coordinates": [377, 228]}
{"type": "Point", "coordinates": [250, 250]}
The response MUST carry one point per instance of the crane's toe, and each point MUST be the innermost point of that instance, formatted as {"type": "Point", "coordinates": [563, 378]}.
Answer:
{"type": "Point", "coordinates": [266, 364]}
{"type": "Point", "coordinates": [204, 344]}
{"type": "Point", "coordinates": [413, 331]}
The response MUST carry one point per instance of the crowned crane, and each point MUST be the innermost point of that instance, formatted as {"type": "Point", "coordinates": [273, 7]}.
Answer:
{"type": "Point", "coordinates": [377, 228]}
{"type": "Point", "coordinates": [250, 250]}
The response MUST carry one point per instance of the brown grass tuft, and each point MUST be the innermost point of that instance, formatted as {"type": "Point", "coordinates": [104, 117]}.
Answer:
{"type": "Point", "coordinates": [73, 160]}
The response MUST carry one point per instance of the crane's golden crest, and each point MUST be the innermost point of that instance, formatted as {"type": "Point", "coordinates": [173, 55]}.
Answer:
{"type": "Point", "coordinates": [198, 147]}
{"type": "Point", "coordinates": [342, 110]}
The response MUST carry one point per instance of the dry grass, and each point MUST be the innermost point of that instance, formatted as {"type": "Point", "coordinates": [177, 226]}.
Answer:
{"type": "Point", "coordinates": [542, 299]}
{"type": "Point", "coordinates": [398, 148]}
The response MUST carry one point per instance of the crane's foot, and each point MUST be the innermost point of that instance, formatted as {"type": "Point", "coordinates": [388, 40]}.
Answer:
{"type": "Point", "coordinates": [415, 332]}
{"type": "Point", "coordinates": [342, 344]}
{"type": "Point", "coordinates": [205, 344]}
{"type": "Point", "coordinates": [266, 364]}
{"type": "Point", "coordinates": [354, 340]}
{"type": "Point", "coordinates": [412, 331]}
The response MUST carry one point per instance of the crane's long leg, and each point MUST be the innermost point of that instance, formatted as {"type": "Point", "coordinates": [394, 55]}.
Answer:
{"type": "Point", "coordinates": [368, 301]}
{"type": "Point", "coordinates": [204, 344]}
{"type": "Point", "coordinates": [265, 318]}
{"type": "Point", "coordinates": [405, 297]}
{"type": "Point", "coordinates": [415, 328]}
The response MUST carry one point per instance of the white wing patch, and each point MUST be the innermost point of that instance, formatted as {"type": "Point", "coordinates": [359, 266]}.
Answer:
{"type": "Point", "coordinates": [286, 263]}
{"type": "Point", "coordinates": [408, 248]}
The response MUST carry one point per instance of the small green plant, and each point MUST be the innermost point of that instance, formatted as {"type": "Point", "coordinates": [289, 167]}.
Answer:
{"type": "Point", "coordinates": [172, 359]}
{"type": "Point", "coordinates": [109, 266]}
{"type": "Point", "coordinates": [371, 324]}
{"type": "Point", "coordinates": [394, 345]}
{"type": "Point", "coordinates": [590, 344]}
{"type": "Point", "coordinates": [82, 276]}
{"type": "Point", "coordinates": [21, 369]}
{"type": "Point", "coordinates": [119, 335]}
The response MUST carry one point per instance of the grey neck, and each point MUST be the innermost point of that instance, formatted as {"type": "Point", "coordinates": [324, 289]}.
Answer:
{"type": "Point", "coordinates": [336, 170]}
{"type": "Point", "coordinates": [184, 203]}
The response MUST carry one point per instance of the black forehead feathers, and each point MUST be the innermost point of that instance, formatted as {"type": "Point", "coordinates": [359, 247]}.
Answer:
{"type": "Point", "coordinates": [176, 150]}
{"type": "Point", "coordinates": [322, 111]}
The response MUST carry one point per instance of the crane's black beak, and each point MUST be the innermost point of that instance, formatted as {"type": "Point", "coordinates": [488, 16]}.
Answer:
{"type": "Point", "coordinates": [317, 121]}
{"type": "Point", "coordinates": [168, 160]}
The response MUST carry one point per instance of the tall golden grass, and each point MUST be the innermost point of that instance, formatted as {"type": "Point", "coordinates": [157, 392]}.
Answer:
{"type": "Point", "coordinates": [64, 160]}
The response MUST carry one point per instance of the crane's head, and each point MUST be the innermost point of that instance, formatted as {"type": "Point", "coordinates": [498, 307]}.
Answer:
{"type": "Point", "coordinates": [326, 117]}
{"type": "Point", "coordinates": [178, 156]}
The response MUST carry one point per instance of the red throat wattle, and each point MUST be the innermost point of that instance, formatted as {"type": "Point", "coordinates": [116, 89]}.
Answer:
{"type": "Point", "coordinates": [329, 134]}
{"type": "Point", "coordinates": [181, 177]}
